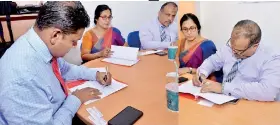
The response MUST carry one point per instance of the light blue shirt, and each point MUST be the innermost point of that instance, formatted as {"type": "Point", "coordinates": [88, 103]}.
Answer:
{"type": "Point", "coordinates": [30, 93]}
{"type": "Point", "coordinates": [257, 78]}
{"type": "Point", "coordinates": [150, 35]}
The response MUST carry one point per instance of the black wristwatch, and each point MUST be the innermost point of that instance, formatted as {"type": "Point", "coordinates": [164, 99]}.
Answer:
{"type": "Point", "coordinates": [190, 70]}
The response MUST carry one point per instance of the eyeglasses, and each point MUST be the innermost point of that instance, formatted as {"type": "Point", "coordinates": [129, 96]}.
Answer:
{"type": "Point", "coordinates": [105, 17]}
{"type": "Point", "coordinates": [239, 52]}
{"type": "Point", "coordinates": [192, 29]}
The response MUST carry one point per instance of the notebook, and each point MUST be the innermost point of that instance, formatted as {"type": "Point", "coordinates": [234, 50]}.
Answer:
{"type": "Point", "coordinates": [105, 91]}
{"type": "Point", "coordinates": [127, 56]}
{"type": "Point", "coordinates": [188, 87]}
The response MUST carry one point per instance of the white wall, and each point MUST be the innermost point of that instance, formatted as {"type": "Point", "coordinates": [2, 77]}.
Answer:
{"type": "Point", "coordinates": [127, 16]}
{"type": "Point", "coordinates": [218, 18]}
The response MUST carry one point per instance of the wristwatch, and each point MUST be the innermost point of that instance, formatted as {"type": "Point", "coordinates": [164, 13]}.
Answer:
{"type": "Point", "coordinates": [190, 70]}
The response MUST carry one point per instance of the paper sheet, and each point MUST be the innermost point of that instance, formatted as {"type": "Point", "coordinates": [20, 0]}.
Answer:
{"type": "Point", "coordinates": [171, 74]}
{"type": "Point", "coordinates": [105, 90]}
{"type": "Point", "coordinates": [149, 52]}
{"type": "Point", "coordinates": [100, 69]}
{"type": "Point", "coordinates": [205, 102]}
{"type": "Point", "coordinates": [213, 97]}
{"type": "Point", "coordinates": [120, 61]}
{"type": "Point", "coordinates": [122, 52]}
{"type": "Point", "coordinates": [123, 55]}
{"type": "Point", "coordinates": [188, 87]}
{"type": "Point", "coordinates": [96, 116]}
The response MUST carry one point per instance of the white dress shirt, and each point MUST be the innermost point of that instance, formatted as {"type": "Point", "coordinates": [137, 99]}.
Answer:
{"type": "Point", "coordinates": [150, 35]}
{"type": "Point", "coordinates": [257, 78]}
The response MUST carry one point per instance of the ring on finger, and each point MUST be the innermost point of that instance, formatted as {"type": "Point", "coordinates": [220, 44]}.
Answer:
{"type": "Point", "coordinates": [207, 83]}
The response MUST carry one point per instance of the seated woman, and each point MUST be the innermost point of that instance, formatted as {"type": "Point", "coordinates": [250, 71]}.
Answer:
{"type": "Point", "coordinates": [97, 41]}
{"type": "Point", "coordinates": [194, 49]}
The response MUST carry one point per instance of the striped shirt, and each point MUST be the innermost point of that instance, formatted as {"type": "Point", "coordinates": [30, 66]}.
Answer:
{"type": "Point", "coordinates": [30, 93]}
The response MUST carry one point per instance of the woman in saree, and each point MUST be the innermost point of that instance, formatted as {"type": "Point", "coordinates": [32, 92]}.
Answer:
{"type": "Point", "coordinates": [194, 49]}
{"type": "Point", "coordinates": [97, 41]}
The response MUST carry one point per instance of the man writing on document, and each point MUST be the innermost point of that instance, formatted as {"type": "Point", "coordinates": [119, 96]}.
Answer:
{"type": "Point", "coordinates": [32, 82]}
{"type": "Point", "coordinates": [251, 70]}
{"type": "Point", "coordinates": [162, 31]}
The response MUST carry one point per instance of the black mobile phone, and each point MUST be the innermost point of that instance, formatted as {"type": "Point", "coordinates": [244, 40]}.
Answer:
{"type": "Point", "coordinates": [127, 116]}
{"type": "Point", "coordinates": [234, 101]}
{"type": "Point", "coordinates": [182, 79]}
{"type": "Point", "coordinates": [162, 53]}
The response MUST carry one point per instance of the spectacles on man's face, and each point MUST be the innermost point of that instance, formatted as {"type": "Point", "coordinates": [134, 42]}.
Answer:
{"type": "Point", "coordinates": [238, 52]}
{"type": "Point", "coordinates": [105, 17]}
{"type": "Point", "coordinates": [186, 30]}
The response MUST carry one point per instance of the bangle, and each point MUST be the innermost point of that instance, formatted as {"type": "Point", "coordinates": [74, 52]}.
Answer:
{"type": "Point", "coordinates": [190, 71]}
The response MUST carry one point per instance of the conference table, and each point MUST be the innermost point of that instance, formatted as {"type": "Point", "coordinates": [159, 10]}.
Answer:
{"type": "Point", "coordinates": [244, 112]}
{"type": "Point", "coordinates": [146, 82]}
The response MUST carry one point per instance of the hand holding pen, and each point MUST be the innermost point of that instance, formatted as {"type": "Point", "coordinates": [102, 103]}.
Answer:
{"type": "Point", "coordinates": [104, 78]}
{"type": "Point", "coordinates": [198, 79]}
{"type": "Point", "coordinates": [107, 78]}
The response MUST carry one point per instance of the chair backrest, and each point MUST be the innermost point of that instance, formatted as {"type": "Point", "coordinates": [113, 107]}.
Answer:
{"type": "Point", "coordinates": [134, 40]}
{"type": "Point", "coordinates": [6, 8]}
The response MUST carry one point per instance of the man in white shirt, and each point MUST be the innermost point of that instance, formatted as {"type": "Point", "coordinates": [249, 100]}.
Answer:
{"type": "Point", "coordinates": [162, 31]}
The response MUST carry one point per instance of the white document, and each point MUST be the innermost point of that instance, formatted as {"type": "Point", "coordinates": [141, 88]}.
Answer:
{"type": "Point", "coordinates": [123, 55]}
{"type": "Point", "coordinates": [96, 116]}
{"type": "Point", "coordinates": [205, 102]}
{"type": "Point", "coordinates": [120, 61]}
{"type": "Point", "coordinates": [100, 69]}
{"type": "Point", "coordinates": [149, 52]}
{"type": "Point", "coordinates": [188, 87]}
{"type": "Point", "coordinates": [172, 74]}
{"type": "Point", "coordinates": [105, 90]}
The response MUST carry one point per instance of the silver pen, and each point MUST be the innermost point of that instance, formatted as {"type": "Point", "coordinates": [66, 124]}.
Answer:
{"type": "Point", "coordinates": [106, 71]}
{"type": "Point", "coordinates": [106, 75]}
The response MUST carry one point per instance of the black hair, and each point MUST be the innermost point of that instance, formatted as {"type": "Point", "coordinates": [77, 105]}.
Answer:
{"type": "Point", "coordinates": [193, 18]}
{"type": "Point", "coordinates": [99, 9]}
{"type": "Point", "coordinates": [67, 16]}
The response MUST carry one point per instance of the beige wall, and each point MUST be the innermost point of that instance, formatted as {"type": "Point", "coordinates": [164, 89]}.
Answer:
{"type": "Point", "coordinates": [19, 27]}
{"type": "Point", "coordinates": [184, 7]}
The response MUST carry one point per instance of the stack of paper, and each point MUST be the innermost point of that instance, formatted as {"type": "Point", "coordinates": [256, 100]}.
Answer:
{"type": "Point", "coordinates": [188, 87]}
{"type": "Point", "coordinates": [149, 52]}
{"type": "Point", "coordinates": [105, 90]}
{"type": "Point", "coordinates": [122, 55]}
{"type": "Point", "coordinates": [96, 116]}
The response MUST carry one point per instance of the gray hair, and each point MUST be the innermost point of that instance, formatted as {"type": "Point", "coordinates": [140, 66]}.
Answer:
{"type": "Point", "coordinates": [167, 3]}
{"type": "Point", "coordinates": [248, 29]}
{"type": "Point", "coordinates": [68, 16]}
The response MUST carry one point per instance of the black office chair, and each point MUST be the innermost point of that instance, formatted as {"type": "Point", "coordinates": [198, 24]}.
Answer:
{"type": "Point", "coordinates": [6, 8]}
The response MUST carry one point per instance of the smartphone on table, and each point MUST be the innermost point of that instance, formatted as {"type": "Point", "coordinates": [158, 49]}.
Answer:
{"type": "Point", "coordinates": [127, 116]}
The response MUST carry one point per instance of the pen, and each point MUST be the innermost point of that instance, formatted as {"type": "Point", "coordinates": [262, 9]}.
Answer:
{"type": "Point", "coordinates": [199, 78]}
{"type": "Point", "coordinates": [106, 75]}
{"type": "Point", "coordinates": [106, 70]}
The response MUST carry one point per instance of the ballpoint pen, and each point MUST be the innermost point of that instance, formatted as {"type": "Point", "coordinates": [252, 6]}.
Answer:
{"type": "Point", "coordinates": [106, 75]}
{"type": "Point", "coordinates": [106, 70]}
{"type": "Point", "coordinates": [200, 79]}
